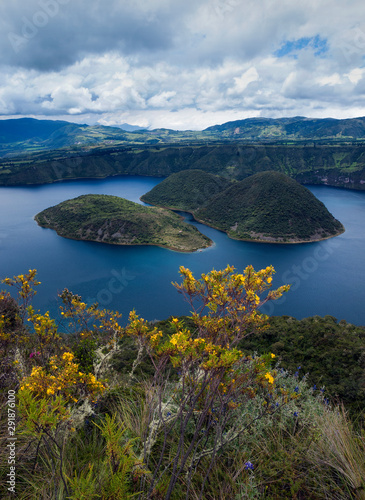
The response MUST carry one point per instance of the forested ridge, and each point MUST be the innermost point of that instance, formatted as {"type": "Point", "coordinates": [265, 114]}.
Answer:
{"type": "Point", "coordinates": [333, 165]}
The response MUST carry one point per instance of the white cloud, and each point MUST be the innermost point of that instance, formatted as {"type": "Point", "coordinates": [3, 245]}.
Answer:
{"type": "Point", "coordinates": [161, 100]}
{"type": "Point", "coordinates": [355, 75]}
{"type": "Point", "coordinates": [185, 64]}
{"type": "Point", "coordinates": [334, 79]}
{"type": "Point", "coordinates": [241, 82]}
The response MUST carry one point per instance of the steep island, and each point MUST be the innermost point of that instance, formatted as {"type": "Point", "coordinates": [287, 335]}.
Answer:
{"type": "Point", "coordinates": [114, 220]}
{"type": "Point", "coordinates": [187, 190]}
{"type": "Point", "coordinates": [265, 207]}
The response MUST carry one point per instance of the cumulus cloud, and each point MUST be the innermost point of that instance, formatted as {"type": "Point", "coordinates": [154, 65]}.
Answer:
{"type": "Point", "coordinates": [181, 64]}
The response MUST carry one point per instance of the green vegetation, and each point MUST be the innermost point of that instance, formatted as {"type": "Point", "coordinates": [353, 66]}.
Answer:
{"type": "Point", "coordinates": [327, 151]}
{"type": "Point", "coordinates": [270, 206]}
{"type": "Point", "coordinates": [30, 135]}
{"type": "Point", "coordinates": [294, 129]}
{"type": "Point", "coordinates": [205, 420]}
{"type": "Point", "coordinates": [186, 190]}
{"type": "Point", "coordinates": [114, 220]}
{"type": "Point", "coordinates": [329, 353]}
{"type": "Point", "coordinates": [27, 134]}
{"type": "Point", "coordinates": [308, 164]}
{"type": "Point", "coordinates": [267, 206]}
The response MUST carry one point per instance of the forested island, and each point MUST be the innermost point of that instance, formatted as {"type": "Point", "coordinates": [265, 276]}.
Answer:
{"type": "Point", "coordinates": [114, 220]}
{"type": "Point", "coordinates": [266, 207]}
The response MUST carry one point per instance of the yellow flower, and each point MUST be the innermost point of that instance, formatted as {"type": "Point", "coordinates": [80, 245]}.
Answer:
{"type": "Point", "coordinates": [272, 355]}
{"type": "Point", "coordinates": [269, 377]}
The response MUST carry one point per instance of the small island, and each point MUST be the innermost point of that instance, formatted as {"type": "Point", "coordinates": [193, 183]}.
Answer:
{"type": "Point", "coordinates": [267, 207]}
{"type": "Point", "coordinates": [187, 190]}
{"type": "Point", "coordinates": [114, 220]}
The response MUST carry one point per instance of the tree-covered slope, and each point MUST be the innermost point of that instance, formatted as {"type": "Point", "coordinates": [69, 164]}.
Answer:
{"type": "Point", "coordinates": [332, 353]}
{"type": "Point", "coordinates": [186, 190]}
{"type": "Point", "coordinates": [342, 166]}
{"type": "Point", "coordinates": [114, 220]}
{"type": "Point", "coordinates": [270, 206]}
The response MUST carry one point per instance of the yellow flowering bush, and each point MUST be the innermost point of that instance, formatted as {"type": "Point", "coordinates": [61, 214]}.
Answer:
{"type": "Point", "coordinates": [24, 284]}
{"type": "Point", "coordinates": [215, 378]}
{"type": "Point", "coordinates": [62, 377]}
{"type": "Point", "coordinates": [55, 391]}
{"type": "Point", "coordinates": [88, 321]}
{"type": "Point", "coordinates": [204, 388]}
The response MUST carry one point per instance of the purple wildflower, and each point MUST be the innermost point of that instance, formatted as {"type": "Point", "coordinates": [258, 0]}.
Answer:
{"type": "Point", "coordinates": [249, 466]}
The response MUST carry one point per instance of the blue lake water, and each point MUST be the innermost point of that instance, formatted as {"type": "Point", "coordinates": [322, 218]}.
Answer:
{"type": "Point", "coordinates": [327, 277]}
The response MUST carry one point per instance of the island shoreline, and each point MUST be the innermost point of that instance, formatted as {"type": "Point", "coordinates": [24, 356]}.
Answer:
{"type": "Point", "coordinates": [127, 244]}
{"type": "Point", "coordinates": [248, 240]}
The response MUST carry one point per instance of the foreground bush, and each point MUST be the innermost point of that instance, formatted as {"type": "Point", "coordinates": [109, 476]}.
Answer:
{"type": "Point", "coordinates": [203, 420]}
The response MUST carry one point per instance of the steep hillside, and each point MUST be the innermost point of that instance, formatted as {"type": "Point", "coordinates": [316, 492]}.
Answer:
{"type": "Point", "coordinates": [186, 190]}
{"type": "Point", "coordinates": [271, 207]}
{"type": "Point", "coordinates": [342, 166]}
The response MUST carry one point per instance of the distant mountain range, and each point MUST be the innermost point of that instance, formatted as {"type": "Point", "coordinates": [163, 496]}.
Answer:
{"type": "Point", "coordinates": [298, 127]}
{"type": "Point", "coordinates": [28, 134]}
{"type": "Point", "coordinates": [312, 151]}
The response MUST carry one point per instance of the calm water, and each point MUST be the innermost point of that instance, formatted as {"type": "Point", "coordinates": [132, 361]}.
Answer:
{"type": "Point", "coordinates": [327, 277]}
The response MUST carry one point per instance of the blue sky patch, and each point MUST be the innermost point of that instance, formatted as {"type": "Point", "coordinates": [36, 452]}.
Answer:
{"type": "Point", "coordinates": [316, 43]}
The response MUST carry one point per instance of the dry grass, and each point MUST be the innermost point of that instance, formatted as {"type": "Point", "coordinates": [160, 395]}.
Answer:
{"type": "Point", "coordinates": [341, 449]}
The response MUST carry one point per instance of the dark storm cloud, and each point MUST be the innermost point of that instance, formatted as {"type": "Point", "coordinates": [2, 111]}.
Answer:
{"type": "Point", "coordinates": [51, 34]}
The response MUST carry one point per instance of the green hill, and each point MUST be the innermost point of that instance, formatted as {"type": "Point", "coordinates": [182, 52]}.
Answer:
{"type": "Point", "coordinates": [24, 129]}
{"type": "Point", "coordinates": [186, 190]}
{"type": "Point", "coordinates": [114, 220]}
{"type": "Point", "coordinates": [269, 206]}
{"type": "Point", "coordinates": [27, 135]}
{"type": "Point", "coordinates": [295, 128]}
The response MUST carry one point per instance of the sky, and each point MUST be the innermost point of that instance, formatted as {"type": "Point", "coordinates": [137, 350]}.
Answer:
{"type": "Point", "coordinates": [181, 64]}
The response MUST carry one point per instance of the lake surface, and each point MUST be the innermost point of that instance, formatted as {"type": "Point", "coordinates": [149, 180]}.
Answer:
{"type": "Point", "coordinates": [327, 277]}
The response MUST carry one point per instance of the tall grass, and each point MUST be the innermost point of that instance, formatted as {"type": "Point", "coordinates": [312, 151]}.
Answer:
{"type": "Point", "coordinates": [341, 451]}
{"type": "Point", "coordinates": [307, 451]}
